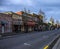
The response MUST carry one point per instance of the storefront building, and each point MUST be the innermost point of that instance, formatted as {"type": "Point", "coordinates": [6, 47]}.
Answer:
{"type": "Point", "coordinates": [17, 23]}
{"type": "Point", "coordinates": [28, 21]}
{"type": "Point", "coordinates": [36, 20]}
{"type": "Point", "coordinates": [5, 23]}
{"type": "Point", "coordinates": [10, 22]}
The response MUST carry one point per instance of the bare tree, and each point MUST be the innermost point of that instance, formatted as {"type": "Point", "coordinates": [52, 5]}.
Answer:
{"type": "Point", "coordinates": [25, 10]}
{"type": "Point", "coordinates": [42, 14]}
{"type": "Point", "coordinates": [28, 11]}
{"type": "Point", "coordinates": [57, 22]}
{"type": "Point", "coordinates": [52, 20]}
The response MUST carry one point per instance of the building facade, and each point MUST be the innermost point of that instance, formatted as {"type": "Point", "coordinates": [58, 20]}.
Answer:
{"type": "Point", "coordinates": [20, 22]}
{"type": "Point", "coordinates": [11, 22]}
{"type": "Point", "coordinates": [5, 23]}
{"type": "Point", "coordinates": [28, 21]}
{"type": "Point", "coordinates": [17, 23]}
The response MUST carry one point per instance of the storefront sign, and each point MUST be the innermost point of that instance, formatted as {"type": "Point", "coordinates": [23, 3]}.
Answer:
{"type": "Point", "coordinates": [18, 22]}
{"type": "Point", "coordinates": [16, 17]}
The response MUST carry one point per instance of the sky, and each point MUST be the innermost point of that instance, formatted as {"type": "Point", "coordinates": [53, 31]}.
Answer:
{"type": "Point", "coordinates": [50, 7]}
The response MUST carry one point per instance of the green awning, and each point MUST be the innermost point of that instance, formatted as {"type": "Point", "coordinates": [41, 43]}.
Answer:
{"type": "Point", "coordinates": [3, 22]}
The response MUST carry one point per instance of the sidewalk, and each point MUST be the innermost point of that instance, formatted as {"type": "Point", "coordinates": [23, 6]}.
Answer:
{"type": "Point", "coordinates": [10, 34]}
{"type": "Point", "coordinates": [7, 35]}
{"type": "Point", "coordinates": [2, 36]}
{"type": "Point", "coordinates": [52, 44]}
{"type": "Point", "coordinates": [16, 33]}
{"type": "Point", "coordinates": [57, 45]}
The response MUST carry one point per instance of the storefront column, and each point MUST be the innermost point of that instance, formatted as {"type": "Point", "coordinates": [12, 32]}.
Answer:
{"type": "Point", "coordinates": [29, 28]}
{"type": "Point", "coordinates": [0, 28]}
{"type": "Point", "coordinates": [9, 27]}
{"type": "Point", "coordinates": [3, 29]}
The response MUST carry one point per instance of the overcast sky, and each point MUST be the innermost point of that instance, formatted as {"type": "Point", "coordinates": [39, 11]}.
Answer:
{"type": "Point", "coordinates": [50, 7]}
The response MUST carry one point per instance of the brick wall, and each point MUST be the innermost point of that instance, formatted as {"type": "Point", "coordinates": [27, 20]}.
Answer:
{"type": "Point", "coordinates": [8, 22]}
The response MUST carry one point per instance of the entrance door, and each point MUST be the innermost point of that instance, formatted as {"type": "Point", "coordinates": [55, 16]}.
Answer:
{"type": "Point", "coordinates": [17, 28]}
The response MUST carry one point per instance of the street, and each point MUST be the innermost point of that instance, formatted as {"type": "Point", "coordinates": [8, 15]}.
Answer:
{"type": "Point", "coordinates": [36, 40]}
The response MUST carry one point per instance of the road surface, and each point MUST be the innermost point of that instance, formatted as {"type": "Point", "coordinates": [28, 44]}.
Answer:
{"type": "Point", "coordinates": [36, 40]}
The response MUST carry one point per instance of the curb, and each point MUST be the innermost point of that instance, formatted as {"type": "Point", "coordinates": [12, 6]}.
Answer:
{"type": "Point", "coordinates": [51, 45]}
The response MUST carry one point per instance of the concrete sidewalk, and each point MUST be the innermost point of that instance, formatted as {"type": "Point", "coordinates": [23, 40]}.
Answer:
{"type": "Point", "coordinates": [17, 33]}
{"type": "Point", "coordinates": [8, 35]}
{"type": "Point", "coordinates": [57, 45]}
{"type": "Point", "coordinates": [52, 44]}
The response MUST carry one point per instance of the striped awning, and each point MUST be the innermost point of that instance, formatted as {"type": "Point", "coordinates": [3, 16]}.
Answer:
{"type": "Point", "coordinates": [31, 23]}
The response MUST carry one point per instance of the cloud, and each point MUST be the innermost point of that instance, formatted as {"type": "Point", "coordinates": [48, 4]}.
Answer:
{"type": "Point", "coordinates": [54, 13]}
{"type": "Point", "coordinates": [17, 2]}
{"type": "Point", "coordinates": [50, 7]}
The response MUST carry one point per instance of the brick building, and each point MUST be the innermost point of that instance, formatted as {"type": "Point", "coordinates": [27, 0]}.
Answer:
{"type": "Point", "coordinates": [19, 22]}
{"type": "Point", "coordinates": [5, 23]}
{"type": "Point", "coordinates": [10, 22]}
{"type": "Point", "coordinates": [28, 21]}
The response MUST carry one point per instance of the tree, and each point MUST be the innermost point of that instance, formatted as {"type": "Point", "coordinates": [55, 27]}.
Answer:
{"type": "Point", "coordinates": [29, 11]}
{"type": "Point", "coordinates": [51, 20]}
{"type": "Point", "coordinates": [57, 22]}
{"type": "Point", "coordinates": [42, 14]}
{"type": "Point", "coordinates": [25, 10]}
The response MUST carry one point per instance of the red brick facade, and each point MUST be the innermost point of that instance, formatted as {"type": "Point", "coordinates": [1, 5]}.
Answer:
{"type": "Point", "coordinates": [9, 22]}
{"type": "Point", "coordinates": [6, 22]}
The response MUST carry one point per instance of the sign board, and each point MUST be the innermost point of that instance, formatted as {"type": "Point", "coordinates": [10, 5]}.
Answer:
{"type": "Point", "coordinates": [16, 16]}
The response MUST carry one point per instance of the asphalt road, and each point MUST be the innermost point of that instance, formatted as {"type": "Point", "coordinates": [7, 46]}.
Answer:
{"type": "Point", "coordinates": [37, 40]}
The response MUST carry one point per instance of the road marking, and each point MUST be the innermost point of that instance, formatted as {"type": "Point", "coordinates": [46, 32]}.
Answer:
{"type": "Point", "coordinates": [27, 44]}
{"type": "Point", "coordinates": [46, 47]}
